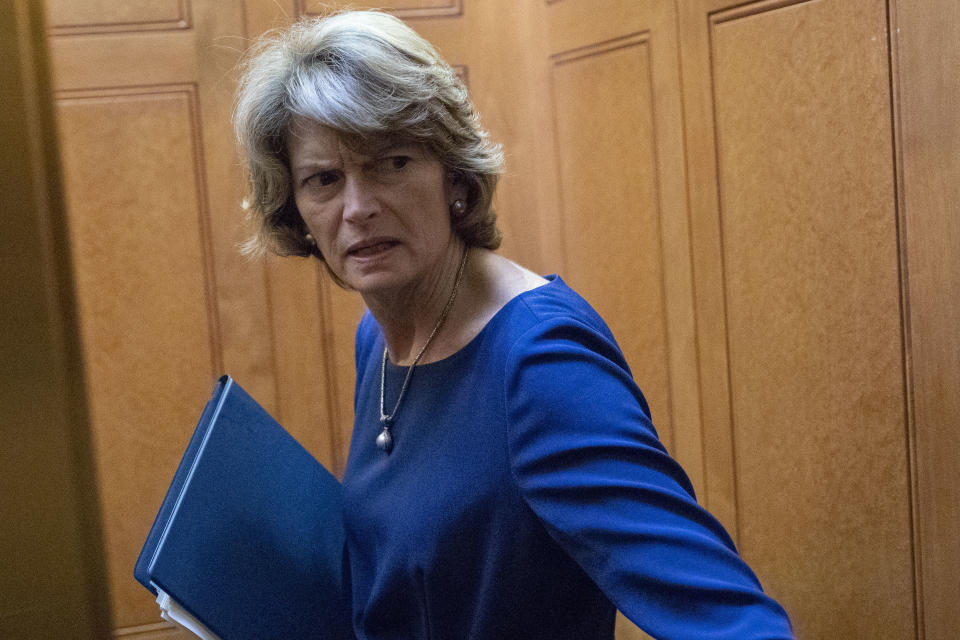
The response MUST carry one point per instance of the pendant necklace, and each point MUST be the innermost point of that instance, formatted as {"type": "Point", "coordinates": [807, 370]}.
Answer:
{"type": "Point", "coordinates": [385, 439]}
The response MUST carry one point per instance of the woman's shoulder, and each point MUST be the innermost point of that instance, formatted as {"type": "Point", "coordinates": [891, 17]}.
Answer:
{"type": "Point", "coordinates": [496, 282]}
{"type": "Point", "coordinates": [557, 304]}
{"type": "Point", "coordinates": [511, 305]}
{"type": "Point", "coordinates": [512, 287]}
{"type": "Point", "coordinates": [368, 337]}
{"type": "Point", "coordinates": [551, 319]}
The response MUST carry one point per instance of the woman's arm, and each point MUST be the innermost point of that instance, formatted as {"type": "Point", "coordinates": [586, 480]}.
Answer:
{"type": "Point", "coordinates": [588, 462]}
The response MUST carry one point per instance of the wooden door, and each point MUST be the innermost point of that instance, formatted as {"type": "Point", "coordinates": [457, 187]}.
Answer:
{"type": "Point", "coordinates": [144, 92]}
{"type": "Point", "coordinates": [797, 265]}
{"type": "Point", "coordinates": [51, 564]}
{"type": "Point", "coordinates": [926, 48]}
{"type": "Point", "coordinates": [615, 117]}
{"type": "Point", "coordinates": [731, 180]}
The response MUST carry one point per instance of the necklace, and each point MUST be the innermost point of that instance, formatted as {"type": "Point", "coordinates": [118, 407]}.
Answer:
{"type": "Point", "coordinates": [385, 439]}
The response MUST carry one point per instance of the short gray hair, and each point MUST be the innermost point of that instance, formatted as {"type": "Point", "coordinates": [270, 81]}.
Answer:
{"type": "Point", "coordinates": [364, 74]}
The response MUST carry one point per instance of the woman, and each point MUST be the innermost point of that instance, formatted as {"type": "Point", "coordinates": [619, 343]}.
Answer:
{"type": "Point", "coordinates": [504, 479]}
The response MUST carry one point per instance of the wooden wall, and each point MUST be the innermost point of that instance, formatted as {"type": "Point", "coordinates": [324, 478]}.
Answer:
{"type": "Point", "coordinates": [758, 196]}
{"type": "Point", "coordinates": [803, 367]}
{"type": "Point", "coordinates": [52, 582]}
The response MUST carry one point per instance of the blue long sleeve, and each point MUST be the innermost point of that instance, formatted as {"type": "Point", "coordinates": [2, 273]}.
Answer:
{"type": "Point", "coordinates": [587, 460]}
{"type": "Point", "coordinates": [527, 496]}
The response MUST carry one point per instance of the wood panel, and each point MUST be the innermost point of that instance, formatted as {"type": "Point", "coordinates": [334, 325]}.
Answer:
{"type": "Point", "coordinates": [313, 335]}
{"type": "Point", "coordinates": [104, 16]}
{"type": "Point", "coordinates": [926, 34]}
{"type": "Point", "coordinates": [150, 334]}
{"type": "Point", "coordinates": [51, 558]}
{"type": "Point", "coordinates": [400, 8]}
{"type": "Point", "coordinates": [166, 303]}
{"type": "Point", "coordinates": [511, 107]}
{"type": "Point", "coordinates": [799, 249]}
{"type": "Point", "coordinates": [576, 23]}
{"type": "Point", "coordinates": [242, 287]}
{"type": "Point", "coordinates": [573, 25]}
{"type": "Point", "coordinates": [618, 144]}
{"type": "Point", "coordinates": [647, 217]}
{"type": "Point", "coordinates": [205, 57]}
{"type": "Point", "coordinates": [610, 210]}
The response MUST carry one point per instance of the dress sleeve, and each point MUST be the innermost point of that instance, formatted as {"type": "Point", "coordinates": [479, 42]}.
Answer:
{"type": "Point", "coordinates": [587, 460]}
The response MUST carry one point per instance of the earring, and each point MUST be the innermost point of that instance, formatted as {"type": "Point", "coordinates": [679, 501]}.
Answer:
{"type": "Point", "coordinates": [458, 207]}
{"type": "Point", "coordinates": [310, 239]}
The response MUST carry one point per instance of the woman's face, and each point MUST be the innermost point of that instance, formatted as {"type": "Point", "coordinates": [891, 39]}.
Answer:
{"type": "Point", "coordinates": [381, 220]}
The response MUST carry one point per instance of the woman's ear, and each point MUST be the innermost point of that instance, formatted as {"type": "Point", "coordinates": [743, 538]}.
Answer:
{"type": "Point", "coordinates": [456, 188]}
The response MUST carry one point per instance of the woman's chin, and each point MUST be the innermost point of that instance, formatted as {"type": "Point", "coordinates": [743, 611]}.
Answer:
{"type": "Point", "coordinates": [375, 282]}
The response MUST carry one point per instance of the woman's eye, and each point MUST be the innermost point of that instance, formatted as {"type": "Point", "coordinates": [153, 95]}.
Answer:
{"type": "Point", "coordinates": [323, 179]}
{"type": "Point", "coordinates": [390, 165]}
{"type": "Point", "coordinates": [389, 169]}
{"type": "Point", "coordinates": [327, 177]}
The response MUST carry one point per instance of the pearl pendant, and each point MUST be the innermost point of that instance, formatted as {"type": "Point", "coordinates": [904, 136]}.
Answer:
{"type": "Point", "coordinates": [385, 440]}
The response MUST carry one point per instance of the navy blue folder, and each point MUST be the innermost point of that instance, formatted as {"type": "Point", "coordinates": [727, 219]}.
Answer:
{"type": "Point", "coordinates": [249, 539]}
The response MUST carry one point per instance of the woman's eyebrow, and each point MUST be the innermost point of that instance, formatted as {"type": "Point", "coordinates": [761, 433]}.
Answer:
{"type": "Point", "coordinates": [389, 145]}
{"type": "Point", "coordinates": [310, 166]}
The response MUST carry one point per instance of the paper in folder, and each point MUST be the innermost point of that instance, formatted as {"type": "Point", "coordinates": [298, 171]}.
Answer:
{"type": "Point", "coordinates": [249, 539]}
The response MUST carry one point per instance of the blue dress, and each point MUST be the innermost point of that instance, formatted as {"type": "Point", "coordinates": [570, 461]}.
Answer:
{"type": "Point", "coordinates": [527, 496]}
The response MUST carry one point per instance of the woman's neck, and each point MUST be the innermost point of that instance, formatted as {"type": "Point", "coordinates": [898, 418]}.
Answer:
{"type": "Point", "coordinates": [489, 281]}
{"type": "Point", "coordinates": [409, 317]}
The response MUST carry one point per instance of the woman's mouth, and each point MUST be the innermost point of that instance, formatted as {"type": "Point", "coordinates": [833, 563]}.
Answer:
{"type": "Point", "coordinates": [368, 250]}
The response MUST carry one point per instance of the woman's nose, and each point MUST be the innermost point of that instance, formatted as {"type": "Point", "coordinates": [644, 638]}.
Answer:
{"type": "Point", "coordinates": [359, 198]}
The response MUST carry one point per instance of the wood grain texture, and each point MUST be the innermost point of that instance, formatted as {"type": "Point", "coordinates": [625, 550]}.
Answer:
{"type": "Point", "coordinates": [407, 9]}
{"type": "Point", "coordinates": [302, 404]}
{"type": "Point", "coordinates": [574, 23]}
{"type": "Point", "coordinates": [571, 26]}
{"type": "Point", "coordinates": [341, 311]}
{"type": "Point", "coordinates": [719, 488]}
{"type": "Point", "coordinates": [153, 163]}
{"type": "Point", "coordinates": [313, 323]}
{"type": "Point", "coordinates": [241, 293]}
{"type": "Point", "coordinates": [618, 143]}
{"type": "Point", "coordinates": [154, 631]}
{"type": "Point", "coordinates": [52, 568]}
{"type": "Point", "coordinates": [927, 58]}
{"type": "Point", "coordinates": [509, 86]}
{"type": "Point", "coordinates": [66, 17]}
{"type": "Point", "coordinates": [149, 337]}
{"type": "Point", "coordinates": [810, 265]}
{"type": "Point", "coordinates": [123, 60]}
{"type": "Point", "coordinates": [611, 213]}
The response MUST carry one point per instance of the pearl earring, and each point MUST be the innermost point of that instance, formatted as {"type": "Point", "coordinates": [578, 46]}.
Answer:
{"type": "Point", "coordinates": [310, 239]}
{"type": "Point", "coordinates": [458, 207]}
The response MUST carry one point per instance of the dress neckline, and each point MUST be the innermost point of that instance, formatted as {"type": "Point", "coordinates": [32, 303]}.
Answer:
{"type": "Point", "coordinates": [395, 369]}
